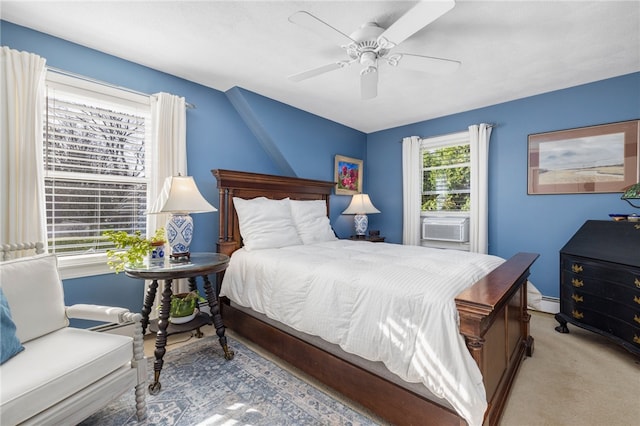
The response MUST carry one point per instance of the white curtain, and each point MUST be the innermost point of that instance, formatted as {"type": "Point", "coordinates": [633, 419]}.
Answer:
{"type": "Point", "coordinates": [168, 148]}
{"type": "Point", "coordinates": [479, 136]}
{"type": "Point", "coordinates": [411, 190]}
{"type": "Point", "coordinates": [22, 198]}
{"type": "Point", "coordinates": [168, 158]}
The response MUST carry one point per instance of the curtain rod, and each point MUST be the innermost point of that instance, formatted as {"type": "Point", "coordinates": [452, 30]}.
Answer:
{"type": "Point", "coordinates": [104, 83]}
{"type": "Point", "coordinates": [490, 125]}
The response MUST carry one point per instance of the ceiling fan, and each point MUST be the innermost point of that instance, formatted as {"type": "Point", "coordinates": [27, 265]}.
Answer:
{"type": "Point", "coordinates": [370, 44]}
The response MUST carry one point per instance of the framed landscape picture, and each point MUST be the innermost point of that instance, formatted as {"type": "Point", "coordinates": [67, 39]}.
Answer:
{"type": "Point", "coordinates": [600, 158]}
{"type": "Point", "coordinates": [348, 175]}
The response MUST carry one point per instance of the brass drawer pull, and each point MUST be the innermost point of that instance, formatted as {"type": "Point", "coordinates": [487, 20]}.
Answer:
{"type": "Point", "coordinates": [576, 268]}
{"type": "Point", "coordinates": [636, 319]}
{"type": "Point", "coordinates": [577, 298]}
{"type": "Point", "coordinates": [636, 339]}
{"type": "Point", "coordinates": [576, 282]}
{"type": "Point", "coordinates": [637, 282]}
{"type": "Point", "coordinates": [577, 314]}
{"type": "Point", "coordinates": [636, 299]}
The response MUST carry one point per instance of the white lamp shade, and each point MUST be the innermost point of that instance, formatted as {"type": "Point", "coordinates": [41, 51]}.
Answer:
{"type": "Point", "coordinates": [180, 195]}
{"type": "Point", "coordinates": [361, 204]}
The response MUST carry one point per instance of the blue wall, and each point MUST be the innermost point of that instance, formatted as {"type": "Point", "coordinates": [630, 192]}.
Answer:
{"type": "Point", "coordinates": [517, 221]}
{"type": "Point", "coordinates": [218, 136]}
{"type": "Point", "coordinates": [242, 130]}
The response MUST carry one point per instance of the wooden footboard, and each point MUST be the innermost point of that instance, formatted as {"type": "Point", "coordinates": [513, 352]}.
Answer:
{"type": "Point", "coordinates": [495, 323]}
{"type": "Point", "coordinates": [493, 319]}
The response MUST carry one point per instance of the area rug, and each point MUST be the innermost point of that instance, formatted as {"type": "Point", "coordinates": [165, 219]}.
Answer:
{"type": "Point", "coordinates": [199, 387]}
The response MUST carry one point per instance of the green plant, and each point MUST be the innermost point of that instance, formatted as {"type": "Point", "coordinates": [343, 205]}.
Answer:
{"type": "Point", "coordinates": [130, 248]}
{"type": "Point", "coordinates": [184, 304]}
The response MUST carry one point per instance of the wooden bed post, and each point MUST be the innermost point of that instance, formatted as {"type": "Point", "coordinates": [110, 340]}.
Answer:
{"type": "Point", "coordinates": [222, 229]}
{"type": "Point", "coordinates": [475, 346]}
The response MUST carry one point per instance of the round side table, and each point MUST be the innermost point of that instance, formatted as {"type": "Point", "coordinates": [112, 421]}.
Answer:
{"type": "Point", "coordinates": [199, 265]}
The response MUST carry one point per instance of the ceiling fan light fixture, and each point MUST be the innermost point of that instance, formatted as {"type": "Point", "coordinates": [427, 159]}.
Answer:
{"type": "Point", "coordinates": [368, 59]}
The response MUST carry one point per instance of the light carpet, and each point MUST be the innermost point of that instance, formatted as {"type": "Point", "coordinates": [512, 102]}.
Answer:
{"type": "Point", "coordinates": [575, 379]}
{"type": "Point", "coordinates": [199, 387]}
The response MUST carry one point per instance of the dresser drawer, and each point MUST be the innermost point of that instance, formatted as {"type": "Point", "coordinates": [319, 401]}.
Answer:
{"type": "Point", "coordinates": [583, 269]}
{"type": "Point", "coordinates": [618, 302]}
{"type": "Point", "coordinates": [626, 332]}
{"type": "Point", "coordinates": [586, 315]}
{"type": "Point", "coordinates": [572, 283]}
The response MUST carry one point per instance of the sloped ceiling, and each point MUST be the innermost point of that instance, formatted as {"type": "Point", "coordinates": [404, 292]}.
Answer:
{"type": "Point", "coordinates": [508, 49]}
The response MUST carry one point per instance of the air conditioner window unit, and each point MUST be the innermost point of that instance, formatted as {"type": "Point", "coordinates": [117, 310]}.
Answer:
{"type": "Point", "coordinates": [446, 229]}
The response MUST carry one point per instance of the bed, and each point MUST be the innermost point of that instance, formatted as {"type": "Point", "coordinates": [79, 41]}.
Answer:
{"type": "Point", "coordinates": [491, 320]}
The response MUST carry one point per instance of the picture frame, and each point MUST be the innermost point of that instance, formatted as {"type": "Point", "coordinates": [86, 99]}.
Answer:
{"type": "Point", "coordinates": [348, 174]}
{"type": "Point", "coordinates": [594, 159]}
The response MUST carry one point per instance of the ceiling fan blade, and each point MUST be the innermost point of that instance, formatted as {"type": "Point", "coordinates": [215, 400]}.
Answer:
{"type": "Point", "coordinates": [414, 20]}
{"type": "Point", "coordinates": [369, 83]}
{"type": "Point", "coordinates": [324, 30]}
{"type": "Point", "coordinates": [316, 71]}
{"type": "Point", "coordinates": [424, 63]}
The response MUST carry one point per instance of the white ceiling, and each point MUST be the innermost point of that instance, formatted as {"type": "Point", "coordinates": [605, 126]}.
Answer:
{"type": "Point", "coordinates": [508, 49]}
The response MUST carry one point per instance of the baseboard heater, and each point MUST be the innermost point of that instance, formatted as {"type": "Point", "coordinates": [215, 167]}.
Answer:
{"type": "Point", "coordinates": [454, 229]}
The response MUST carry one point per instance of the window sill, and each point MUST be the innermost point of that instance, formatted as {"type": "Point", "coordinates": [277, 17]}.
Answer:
{"type": "Point", "coordinates": [83, 266]}
{"type": "Point", "coordinates": [444, 213]}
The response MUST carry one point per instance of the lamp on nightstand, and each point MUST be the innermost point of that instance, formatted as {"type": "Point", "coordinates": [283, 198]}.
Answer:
{"type": "Point", "coordinates": [361, 206]}
{"type": "Point", "coordinates": [632, 193]}
{"type": "Point", "coordinates": [179, 197]}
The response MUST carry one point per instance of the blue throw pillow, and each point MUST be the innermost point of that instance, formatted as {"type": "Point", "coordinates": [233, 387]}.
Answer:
{"type": "Point", "coordinates": [10, 343]}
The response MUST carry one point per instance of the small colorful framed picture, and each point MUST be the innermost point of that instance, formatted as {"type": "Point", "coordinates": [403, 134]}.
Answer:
{"type": "Point", "coordinates": [348, 175]}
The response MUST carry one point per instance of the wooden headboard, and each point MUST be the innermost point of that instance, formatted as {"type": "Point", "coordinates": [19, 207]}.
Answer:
{"type": "Point", "coordinates": [251, 185]}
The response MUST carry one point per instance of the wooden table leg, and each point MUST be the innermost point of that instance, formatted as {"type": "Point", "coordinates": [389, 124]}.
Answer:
{"type": "Point", "coordinates": [193, 286]}
{"type": "Point", "coordinates": [148, 304]}
{"type": "Point", "coordinates": [161, 337]}
{"type": "Point", "coordinates": [217, 318]}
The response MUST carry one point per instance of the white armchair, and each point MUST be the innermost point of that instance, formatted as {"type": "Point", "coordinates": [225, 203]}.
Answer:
{"type": "Point", "coordinates": [63, 374]}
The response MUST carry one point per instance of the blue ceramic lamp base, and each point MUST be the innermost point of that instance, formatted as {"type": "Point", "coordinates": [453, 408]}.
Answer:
{"type": "Point", "coordinates": [179, 234]}
{"type": "Point", "coordinates": [361, 222]}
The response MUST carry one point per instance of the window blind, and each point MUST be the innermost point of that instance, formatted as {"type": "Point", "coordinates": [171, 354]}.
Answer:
{"type": "Point", "coordinates": [95, 156]}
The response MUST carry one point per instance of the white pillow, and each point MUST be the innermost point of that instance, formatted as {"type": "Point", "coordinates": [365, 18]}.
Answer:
{"type": "Point", "coordinates": [34, 291]}
{"type": "Point", "coordinates": [266, 223]}
{"type": "Point", "coordinates": [311, 221]}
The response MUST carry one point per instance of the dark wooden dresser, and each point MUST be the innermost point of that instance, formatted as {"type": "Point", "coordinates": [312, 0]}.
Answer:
{"type": "Point", "coordinates": [600, 281]}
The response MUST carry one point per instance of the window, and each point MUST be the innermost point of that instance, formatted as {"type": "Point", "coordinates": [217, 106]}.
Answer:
{"type": "Point", "coordinates": [446, 191]}
{"type": "Point", "coordinates": [96, 142]}
{"type": "Point", "coordinates": [446, 173]}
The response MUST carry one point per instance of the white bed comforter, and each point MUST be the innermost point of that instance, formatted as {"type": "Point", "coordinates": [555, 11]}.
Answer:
{"type": "Point", "coordinates": [383, 302]}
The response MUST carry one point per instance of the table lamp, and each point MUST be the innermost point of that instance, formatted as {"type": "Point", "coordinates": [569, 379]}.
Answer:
{"type": "Point", "coordinates": [632, 193]}
{"type": "Point", "coordinates": [360, 206]}
{"type": "Point", "coordinates": [180, 197]}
